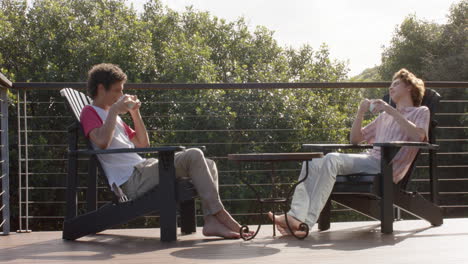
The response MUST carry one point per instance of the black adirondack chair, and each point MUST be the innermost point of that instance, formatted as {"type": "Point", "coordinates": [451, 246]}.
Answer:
{"type": "Point", "coordinates": [165, 198]}
{"type": "Point", "coordinates": [376, 195]}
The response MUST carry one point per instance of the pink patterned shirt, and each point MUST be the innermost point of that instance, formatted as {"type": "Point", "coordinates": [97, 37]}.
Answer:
{"type": "Point", "coordinates": [385, 129]}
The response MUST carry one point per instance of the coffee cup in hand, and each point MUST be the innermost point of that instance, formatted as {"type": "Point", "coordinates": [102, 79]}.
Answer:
{"type": "Point", "coordinates": [129, 102]}
{"type": "Point", "coordinates": [372, 106]}
{"type": "Point", "coordinates": [130, 105]}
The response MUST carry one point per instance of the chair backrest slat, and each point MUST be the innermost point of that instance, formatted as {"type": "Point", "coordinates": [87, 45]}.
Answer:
{"type": "Point", "coordinates": [76, 100]}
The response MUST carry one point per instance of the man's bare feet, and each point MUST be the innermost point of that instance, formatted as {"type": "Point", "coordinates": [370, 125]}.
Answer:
{"type": "Point", "coordinates": [226, 219]}
{"type": "Point", "coordinates": [213, 227]}
{"type": "Point", "coordinates": [282, 226]}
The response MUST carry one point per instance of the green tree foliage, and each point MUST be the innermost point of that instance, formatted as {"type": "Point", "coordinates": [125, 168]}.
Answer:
{"type": "Point", "coordinates": [434, 52]}
{"type": "Point", "coordinates": [370, 75]}
{"type": "Point", "coordinates": [58, 40]}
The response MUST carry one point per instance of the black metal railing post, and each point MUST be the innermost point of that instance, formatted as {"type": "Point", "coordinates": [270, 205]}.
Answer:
{"type": "Point", "coordinates": [4, 159]}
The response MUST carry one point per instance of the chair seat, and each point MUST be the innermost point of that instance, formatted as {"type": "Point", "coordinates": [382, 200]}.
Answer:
{"type": "Point", "coordinates": [356, 183]}
{"type": "Point", "coordinates": [185, 191]}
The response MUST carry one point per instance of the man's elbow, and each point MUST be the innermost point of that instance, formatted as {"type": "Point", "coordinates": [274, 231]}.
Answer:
{"type": "Point", "coordinates": [420, 136]}
{"type": "Point", "coordinates": [142, 145]}
{"type": "Point", "coordinates": [355, 140]}
{"type": "Point", "coordinates": [103, 145]}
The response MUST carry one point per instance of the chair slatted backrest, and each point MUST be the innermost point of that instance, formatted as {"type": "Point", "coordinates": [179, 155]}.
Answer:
{"type": "Point", "coordinates": [431, 100]}
{"type": "Point", "coordinates": [76, 101]}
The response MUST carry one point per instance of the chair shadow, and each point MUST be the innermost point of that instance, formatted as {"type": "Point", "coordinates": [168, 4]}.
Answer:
{"type": "Point", "coordinates": [102, 247]}
{"type": "Point", "coordinates": [229, 251]}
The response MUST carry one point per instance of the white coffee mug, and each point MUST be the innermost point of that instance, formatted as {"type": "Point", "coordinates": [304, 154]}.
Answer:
{"type": "Point", "coordinates": [371, 106]}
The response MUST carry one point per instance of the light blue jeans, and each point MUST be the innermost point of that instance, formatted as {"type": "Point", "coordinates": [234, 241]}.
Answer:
{"type": "Point", "coordinates": [311, 196]}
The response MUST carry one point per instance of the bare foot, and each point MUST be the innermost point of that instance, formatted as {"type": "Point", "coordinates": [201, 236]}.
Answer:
{"type": "Point", "coordinates": [226, 219]}
{"type": "Point", "coordinates": [213, 227]}
{"type": "Point", "coordinates": [283, 231]}
{"type": "Point", "coordinates": [280, 221]}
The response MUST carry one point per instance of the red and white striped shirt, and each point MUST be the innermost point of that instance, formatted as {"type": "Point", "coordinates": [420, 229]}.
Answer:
{"type": "Point", "coordinates": [385, 129]}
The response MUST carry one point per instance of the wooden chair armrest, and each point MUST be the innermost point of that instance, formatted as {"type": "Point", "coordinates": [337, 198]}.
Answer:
{"type": "Point", "coordinates": [421, 145]}
{"type": "Point", "coordinates": [322, 147]}
{"type": "Point", "coordinates": [126, 150]}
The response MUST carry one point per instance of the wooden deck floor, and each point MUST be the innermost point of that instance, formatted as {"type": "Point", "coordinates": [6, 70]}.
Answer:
{"type": "Point", "coordinates": [356, 242]}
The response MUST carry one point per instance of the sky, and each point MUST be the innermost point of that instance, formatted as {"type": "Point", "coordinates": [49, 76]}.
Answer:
{"type": "Point", "coordinates": [354, 30]}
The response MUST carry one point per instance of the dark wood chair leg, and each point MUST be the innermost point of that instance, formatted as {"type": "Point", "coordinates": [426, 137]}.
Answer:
{"type": "Point", "coordinates": [188, 218]}
{"type": "Point", "coordinates": [72, 177]}
{"type": "Point", "coordinates": [324, 219]}
{"type": "Point", "coordinates": [386, 189]}
{"type": "Point", "coordinates": [91, 194]}
{"type": "Point", "coordinates": [168, 213]}
{"type": "Point", "coordinates": [415, 204]}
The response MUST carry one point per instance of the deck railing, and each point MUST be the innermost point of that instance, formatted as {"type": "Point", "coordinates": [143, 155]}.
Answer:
{"type": "Point", "coordinates": [5, 84]}
{"type": "Point", "coordinates": [226, 118]}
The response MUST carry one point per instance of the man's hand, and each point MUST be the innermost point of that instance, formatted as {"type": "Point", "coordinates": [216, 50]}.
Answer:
{"type": "Point", "coordinates": [380, 105]}
{"type": "Point", "coordinates": [121, 107]}
{"type": "Point", "coordinates": [133, 104]}
{"type": "Point", "coordinates": [364, 106]}
{"type": "Point", "coordinates": [355, 136]}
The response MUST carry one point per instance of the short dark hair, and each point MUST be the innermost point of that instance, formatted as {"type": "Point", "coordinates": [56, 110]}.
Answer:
{"type": "Point", "coordinates": [105, 74]}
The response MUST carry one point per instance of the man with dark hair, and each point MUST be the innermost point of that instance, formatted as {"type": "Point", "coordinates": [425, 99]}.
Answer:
{"type": "Point", "coordinates": [105, 74]}
{"type": "Point", "coordinates": [130, 172]}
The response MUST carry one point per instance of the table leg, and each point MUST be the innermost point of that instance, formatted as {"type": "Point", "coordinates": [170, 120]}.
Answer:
{"type": "Point", "coordinates": [245, 229]}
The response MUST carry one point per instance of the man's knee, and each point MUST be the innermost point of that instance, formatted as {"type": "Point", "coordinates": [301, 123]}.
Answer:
{"type": "Point", "coordinates": [332, 157]}
{"type": "Point", "coordinates": [333, 161]}
{"type": "Point", "coordinates": [194, 153]}
{"type": "Point", "coordinates": [211, 163]}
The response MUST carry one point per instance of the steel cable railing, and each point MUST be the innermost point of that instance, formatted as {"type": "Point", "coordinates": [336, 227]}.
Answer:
{"type": "Point", "coordinates": [42, 123]}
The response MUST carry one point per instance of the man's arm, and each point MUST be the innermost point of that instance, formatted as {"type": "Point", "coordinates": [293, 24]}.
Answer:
{"type": "Point", "coordinates": [103, 135]}
{"type": "Point", "coordinates": [141, 139]}
{"type": "Point", "coordinates": [414, 133]}
{"type": "Point", "coordinates": [356, 136]}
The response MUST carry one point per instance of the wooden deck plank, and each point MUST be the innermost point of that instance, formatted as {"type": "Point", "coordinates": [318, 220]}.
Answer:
{"type": "Point", "coordinates": [352, 242]}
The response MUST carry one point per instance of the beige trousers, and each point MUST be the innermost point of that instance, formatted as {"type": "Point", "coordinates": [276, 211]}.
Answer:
{"type": "Point", "coordinates": [189, 164]}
